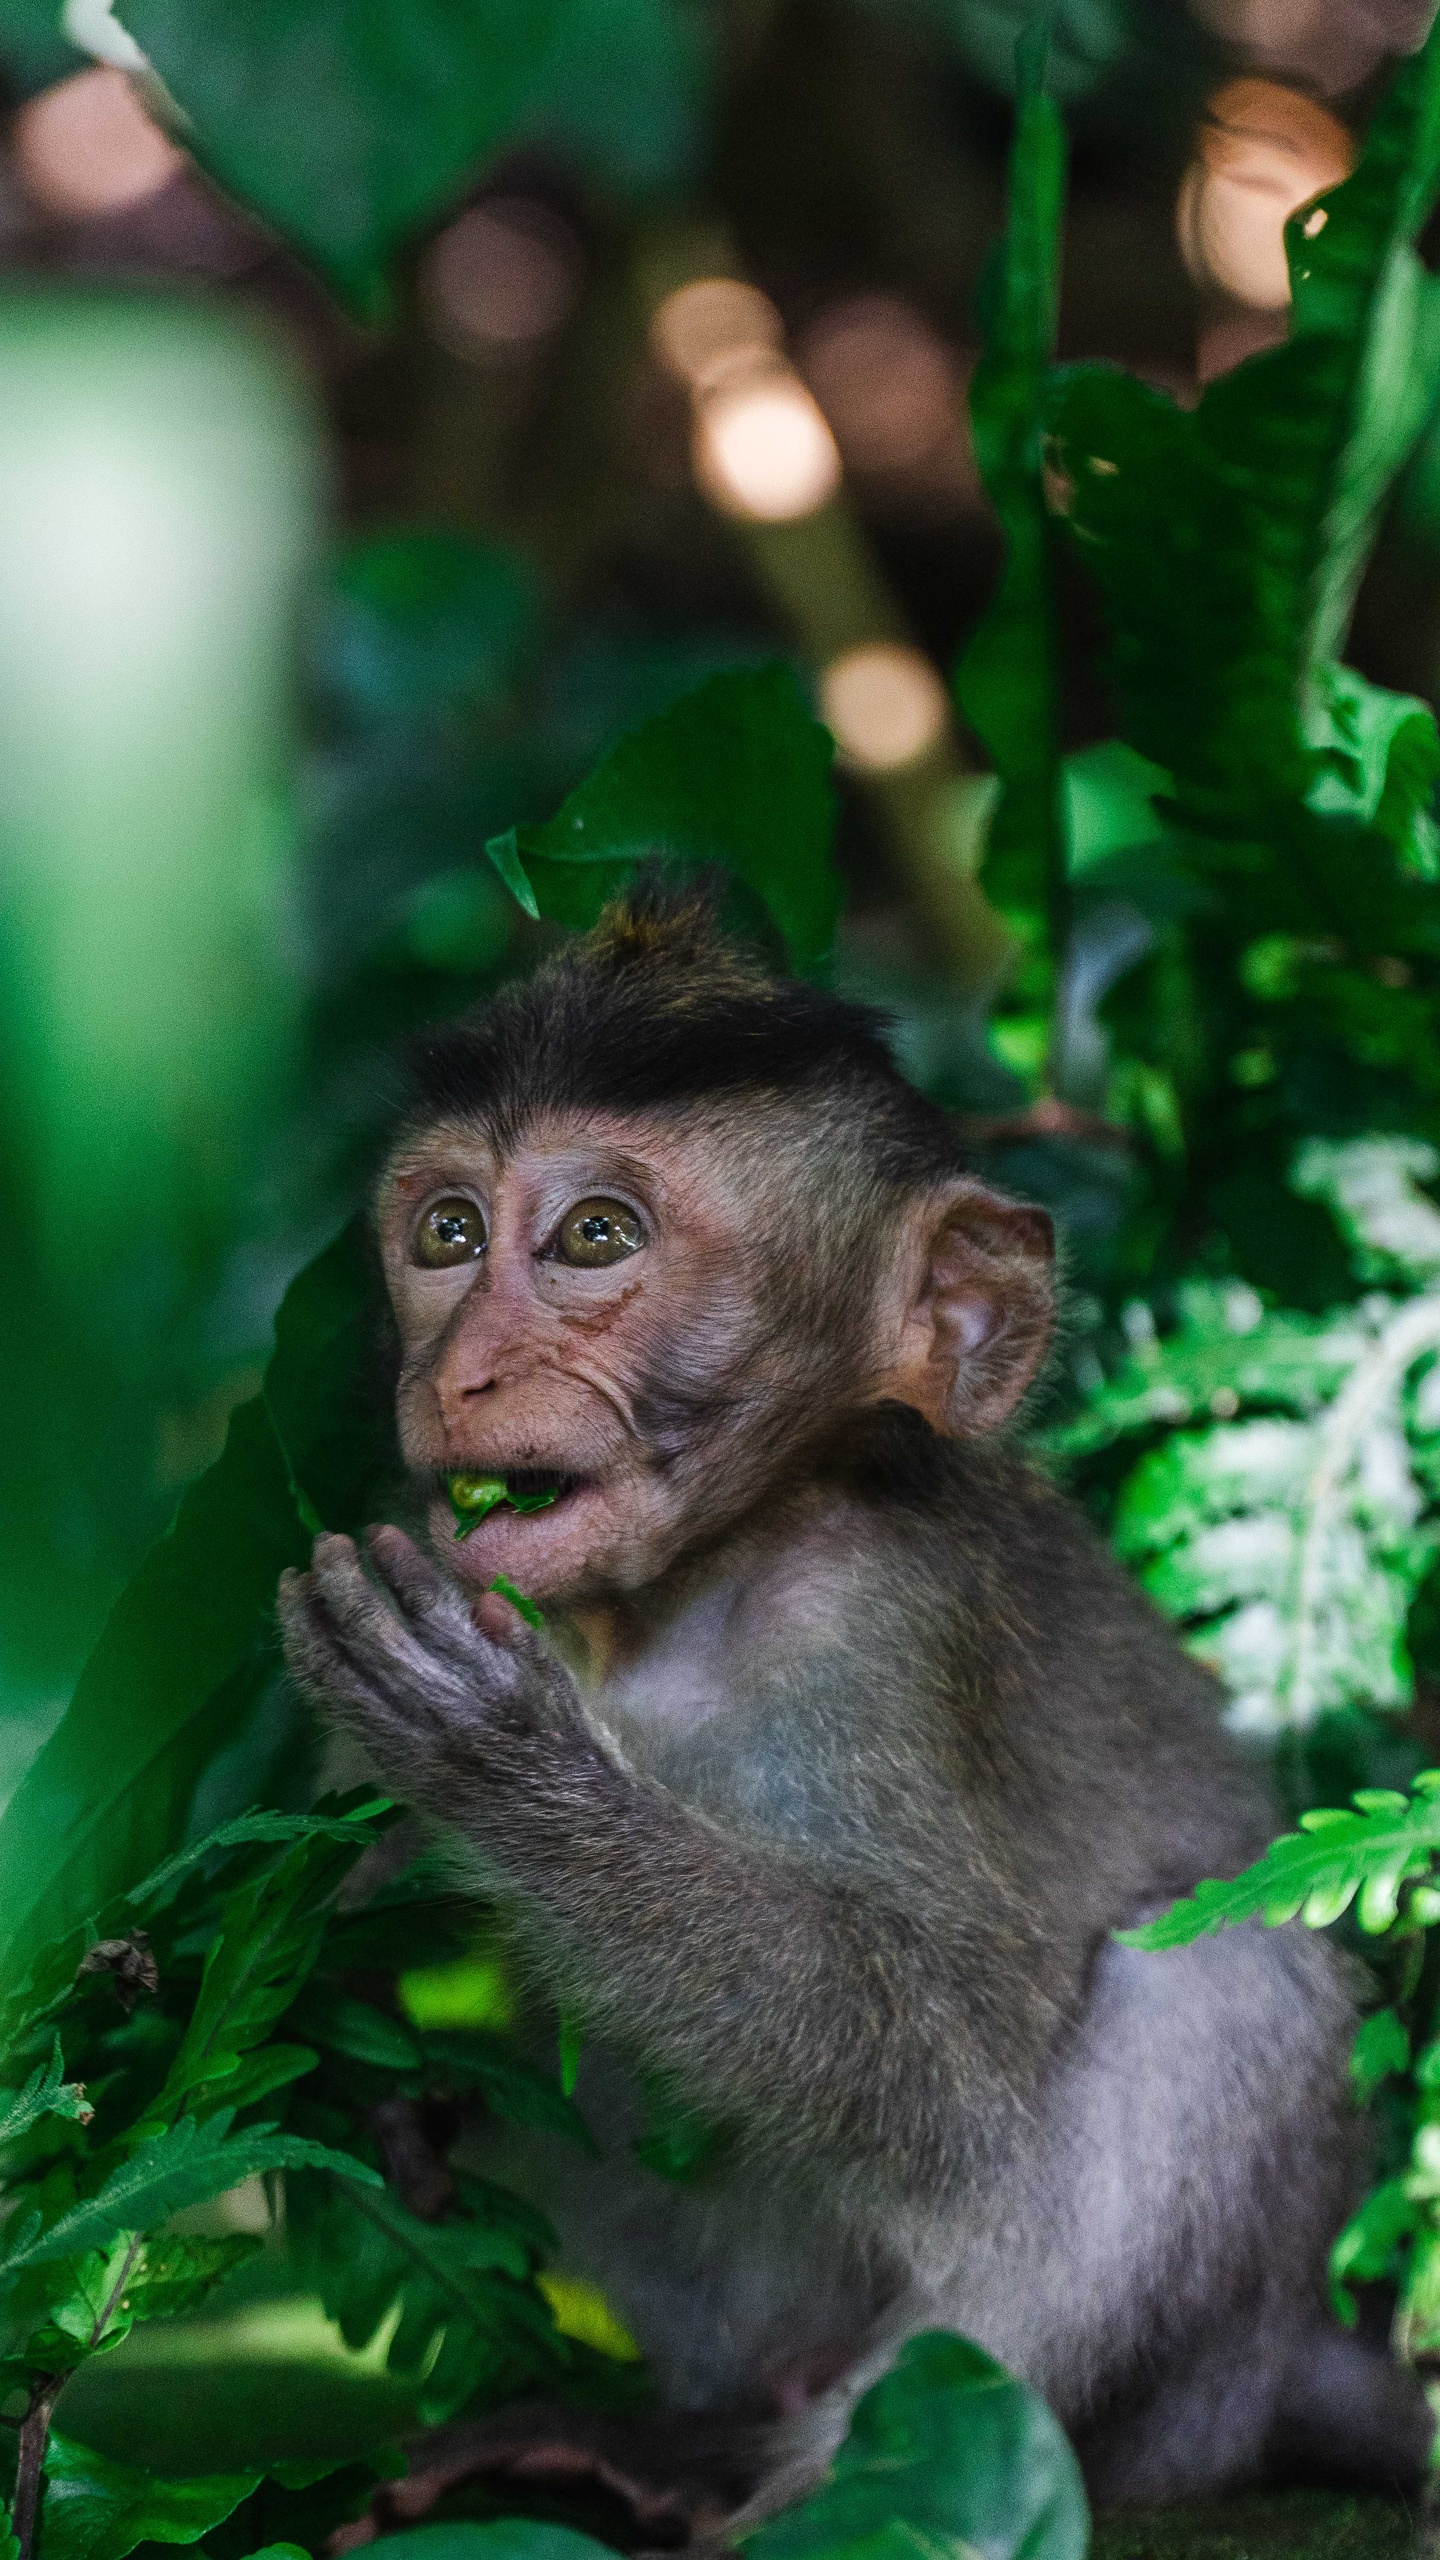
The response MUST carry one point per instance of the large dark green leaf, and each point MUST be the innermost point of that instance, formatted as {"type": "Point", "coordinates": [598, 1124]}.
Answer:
{"type": "Point", "coordinates": [350, 124]}
{"type": "Point", "coordinates": [190, 1641]}
{"type": "Point", "coordinates": [737, 775]}
{"type": "Point", "coordinates": [509, 2538]}
{"type": "Point", "coordinates": [947, 2455]}
{"type": "Point", "coordinates": [33, 45]}
{"type": "Point", "coordinates": [96, 2509]}
{"type": "Point", "coordinates": [1008, 680]}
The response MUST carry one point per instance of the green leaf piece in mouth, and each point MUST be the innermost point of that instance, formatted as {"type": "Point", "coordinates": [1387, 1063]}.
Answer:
{"type": "Point", "coordinates": [532, 1616]}
{"type": "Point", "coordinates": [473, 1498]}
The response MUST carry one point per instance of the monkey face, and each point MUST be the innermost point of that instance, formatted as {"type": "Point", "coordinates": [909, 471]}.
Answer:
{"type": "Point", "coordinates": [638, 1324]}
{"type": "Point", "coordinates": [578, 1317]}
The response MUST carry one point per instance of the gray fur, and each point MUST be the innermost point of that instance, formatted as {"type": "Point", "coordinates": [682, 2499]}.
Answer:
{"type": "Point", "coordinates": [841, 1852]}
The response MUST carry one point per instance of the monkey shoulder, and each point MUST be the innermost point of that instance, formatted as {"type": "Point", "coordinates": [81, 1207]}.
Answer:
{"type": "Point", "coordinates": [1064, 1689]}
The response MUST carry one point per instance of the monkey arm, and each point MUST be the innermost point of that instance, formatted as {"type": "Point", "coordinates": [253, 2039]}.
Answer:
{"type": "Point", "coordinates": [822, 2012]}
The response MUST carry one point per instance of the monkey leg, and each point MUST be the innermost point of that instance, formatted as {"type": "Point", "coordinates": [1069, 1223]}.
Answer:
{"type": "Point", "coordinates": [1349, 2414]}
{"type": "Point", "coordinates": [671, 2481]}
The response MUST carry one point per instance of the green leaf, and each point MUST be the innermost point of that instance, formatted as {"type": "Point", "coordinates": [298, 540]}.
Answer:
{"type": "Point", "coordinates": [172, 2277]}
{"type": "Point", "coordinates": [1007, 682]}
{"type": "Point", "coordinates": [34, 47]}
{"type": "Point", "coordinates": [1372, 1188]}
{"type": "Point", "coordinates": [1227, 540]}
{"type": "Point", "coordinates": [946, 2455]}
{"type": "Point", "coordinates": [191, 1639]}
{"type": "Point", "coordinates": [508, 2538]}
{"type": "Point", "coordinates": [1368, 2249]}
{"type": "Point", "coordinates": [96, 2509]}
{"type": "Point", "coordinates": [347, 124]}
{"type": "Point", "coordinates": [1382, 2045]}
{"type": "Point", "coordinates": [512, 2087]}
{"type": "Point", "coordinates": [471, 2319]}
{"type": "Point", "coordinates": [185, 2165]}
{"type": "Point", "coordinates": [46, 2093]}
{"type": "Point", "coordinates": [418, 101]}
{"type": "Point", "coordinates": [1293, 1550]}
{"type": "Point", "coordinates": [259, 1829]}
{"type": "Point", "coordinates": [1318, 1869]}
{"type": "Point", "coordinates": [1225, 1346]}
{"type": "Point", "coordinates": [342, 2024]}
{"type": "Point", "coordinates": [1109, 797]}
{"type": "Point", "coordinates": [737, 775]}
{"type": "Point", "coordinates": [269, 1937]}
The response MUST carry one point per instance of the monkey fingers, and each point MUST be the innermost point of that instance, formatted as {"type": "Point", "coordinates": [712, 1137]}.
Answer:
{"type": "Point", "coordinates": [318, 1657]}
{"type": "Point", "coordinates": [432, 1606]}
{"type": "Point", "coordinates": [436, 1683]}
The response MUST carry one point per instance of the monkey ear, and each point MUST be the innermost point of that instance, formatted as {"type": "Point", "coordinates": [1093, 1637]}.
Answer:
{"type": "Point", "coordinates": [978, 1320]}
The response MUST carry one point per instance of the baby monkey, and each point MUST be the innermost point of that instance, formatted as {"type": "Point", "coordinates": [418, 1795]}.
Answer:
{"type": "Point", "coordinates": [845, 1753]}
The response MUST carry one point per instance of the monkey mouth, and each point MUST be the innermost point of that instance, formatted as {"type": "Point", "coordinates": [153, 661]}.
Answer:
{"type": "Point", "coordinates": [525, 1482]}
{"type": "Point", "coordinates": [522, 1489]}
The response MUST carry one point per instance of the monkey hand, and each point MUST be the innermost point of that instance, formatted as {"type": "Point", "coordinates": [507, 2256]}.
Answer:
{"type": "Point", "coordinates": [459, 1708]}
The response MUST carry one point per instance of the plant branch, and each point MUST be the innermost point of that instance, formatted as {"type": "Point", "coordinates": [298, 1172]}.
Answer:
{"type": "Point", "coordinates": [104, 2314]}
{"type": "Point", "coordinates": [30, 2469]}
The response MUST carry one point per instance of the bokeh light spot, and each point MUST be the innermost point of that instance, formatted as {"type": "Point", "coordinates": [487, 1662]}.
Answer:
{"type": "Point", "coordinates": [763, 450]}
{"type": "Point", "coordinates": [711, 330]}
{"type": "Point", "coordinates": [884, 705]}
{"type": "Point", "coordinates": [887, 382]}
{"type": "Point", "coordinates": [1261, 152]}
{"type": "Point", "coordinates": [87, 147]}
{"type": "Point", "coordinates": [500, 278]}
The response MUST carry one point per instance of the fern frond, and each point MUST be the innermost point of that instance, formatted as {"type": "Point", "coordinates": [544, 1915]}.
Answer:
{"type": "Point", "coordinates": [1387, 1841]}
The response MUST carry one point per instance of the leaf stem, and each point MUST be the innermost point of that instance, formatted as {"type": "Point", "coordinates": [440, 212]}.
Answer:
{"type": "Point", "coordinates": [103, 2315]}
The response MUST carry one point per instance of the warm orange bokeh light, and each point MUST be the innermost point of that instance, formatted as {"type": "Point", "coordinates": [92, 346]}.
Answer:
{"type": "Point", "coordinates": [884, 704]}
{"type": "Point", "coordinates": [1262, 151]}
{"type": "Point", "coordinates": [711, 330]}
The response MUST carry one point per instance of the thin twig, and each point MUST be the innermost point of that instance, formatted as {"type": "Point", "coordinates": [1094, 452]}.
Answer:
{"type": "Point", "coordinates": [34, 2437]}
{"type": "Point", "coordinates": [102, 2316]}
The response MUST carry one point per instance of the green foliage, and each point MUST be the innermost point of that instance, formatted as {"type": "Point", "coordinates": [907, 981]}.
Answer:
{"type": "Point", "coordinates": [47, 2092]}
{"type": "Point", "coordinates": [190, 1645]}
{"type": "Point", "coordinates": [1285, 1518]}
{"type": "Point", "coordinates": [947, 2452]}
{"type": "Point", "coordinates": [1387, 1843]}
{"type": "Point", "coordinates": [417, 98]}
{"type": "Point", "coordinates": [189, 2091]}
{"type": "Point", "coordinates": [1256, 935]}
{"type": "Point", "coordinates": [1270, 491]}
{"type": "Point", "coordinates": [737, 775]}
{"type": "Point", "coordinates": [1379, 1855]}
{"type": "Point", "coordinates": [509, 2538]}
{"type": "Point", "coordinates": [99, 2510]}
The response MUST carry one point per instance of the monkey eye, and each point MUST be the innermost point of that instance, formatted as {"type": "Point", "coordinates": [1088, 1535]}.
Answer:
{"type": "Point", "coordinates": [452, 1230]}
{"type": "Point", "coordinates": [598, 1231]}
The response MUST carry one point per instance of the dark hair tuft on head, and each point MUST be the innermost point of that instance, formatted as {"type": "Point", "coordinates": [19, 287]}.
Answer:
{"type": "Point", "coordinates": [658, 1008]}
